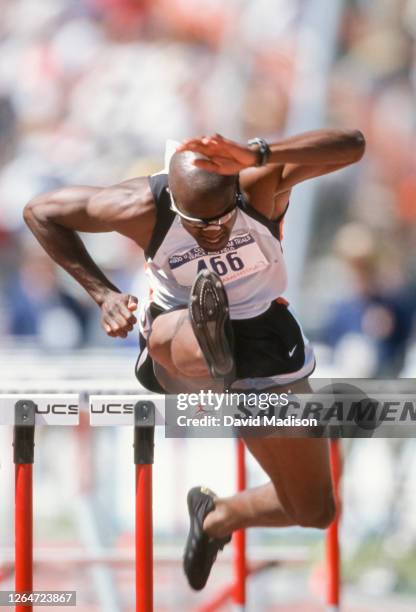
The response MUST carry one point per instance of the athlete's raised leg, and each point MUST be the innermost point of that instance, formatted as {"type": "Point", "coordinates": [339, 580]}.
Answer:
{"type": "Point", "coordinates": [179, 364]}
{"type": "Point", "coordinates": [173, 345]}
{"type": "Point", "coordinates": [193, 347]}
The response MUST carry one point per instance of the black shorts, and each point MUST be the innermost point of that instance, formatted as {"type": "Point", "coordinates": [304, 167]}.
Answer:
{"type": "Point", "coordinates": [269, 346]}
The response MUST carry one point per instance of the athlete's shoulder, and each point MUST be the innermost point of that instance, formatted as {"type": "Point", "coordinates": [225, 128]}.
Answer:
{"type": "Point", "coordinates": [133, 195]}
{"type": "Point", "coordinates": [127, 207]}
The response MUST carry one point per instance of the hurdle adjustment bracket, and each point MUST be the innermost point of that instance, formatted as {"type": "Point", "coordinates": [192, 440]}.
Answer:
{"type": "Point", "coordinates": [24, 432]}
{"type": "Point", "coordinates": [144, 432]}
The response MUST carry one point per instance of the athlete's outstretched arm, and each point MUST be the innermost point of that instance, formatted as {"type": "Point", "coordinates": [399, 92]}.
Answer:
{"type": "Point", "coordinates": [56, 217]}
{"type": "Point", "coordinates": [319, 148]}
{"type": "Point", "coordinates": [291, 161]}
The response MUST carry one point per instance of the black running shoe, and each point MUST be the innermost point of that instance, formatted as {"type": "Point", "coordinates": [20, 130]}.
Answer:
{"type": "Point", "coordinates": [208, 311]}
{"type": "Point", "coordinates": [201, 550]}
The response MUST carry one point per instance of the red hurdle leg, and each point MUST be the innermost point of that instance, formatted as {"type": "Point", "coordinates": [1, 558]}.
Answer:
{"type": "Point", "coordinates": [144, 539]}
{"type": "Point", "coordinates": [333, 557]}
{"type": "Point", "coordinates": [24, 432]}
{"type": "Point", "coordinates": [239, 537]}
{"type": "Point", "coordinates": [23, 530]}
{"type": "Point", "coordinates": [144, 428]}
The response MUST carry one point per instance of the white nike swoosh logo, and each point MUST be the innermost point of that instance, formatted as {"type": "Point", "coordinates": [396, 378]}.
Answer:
{"type": "Point", "coordinates": [293, 350]}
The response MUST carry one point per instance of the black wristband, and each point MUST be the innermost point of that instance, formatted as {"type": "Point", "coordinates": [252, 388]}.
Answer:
{"type": "Point", "coordinates": [263, 150]}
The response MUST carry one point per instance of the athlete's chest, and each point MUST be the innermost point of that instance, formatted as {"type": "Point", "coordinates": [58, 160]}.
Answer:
{"type": "Point", "coordinates": [250, 250]}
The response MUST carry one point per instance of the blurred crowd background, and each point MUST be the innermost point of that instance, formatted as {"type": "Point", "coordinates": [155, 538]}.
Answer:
{"type": "Point", "coordinates": [91, 89]}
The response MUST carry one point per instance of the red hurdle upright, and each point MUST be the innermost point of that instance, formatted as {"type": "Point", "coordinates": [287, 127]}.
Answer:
{"type": "Point", "coordinates": [144, 429]}
{"type": "Point", "coordinates": [333, 557]}
{"type": "Point", "coordinates": [239, 537]}
{"type": "Point", "coordinates": [24, 445]}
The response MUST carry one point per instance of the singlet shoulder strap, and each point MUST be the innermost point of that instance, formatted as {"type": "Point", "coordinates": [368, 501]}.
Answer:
{"type": "Point", "coordinates": [164, 215]}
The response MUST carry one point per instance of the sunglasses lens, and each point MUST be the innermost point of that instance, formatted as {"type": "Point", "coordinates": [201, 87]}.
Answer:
{"type": "Point", "coordinates": [202, 224]}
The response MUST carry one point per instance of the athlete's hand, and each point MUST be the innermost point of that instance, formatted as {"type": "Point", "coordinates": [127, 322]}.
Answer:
{"type": "Point", "coordinates": [223, 156]}
{"type": "Point", "coordinates": [117, 316]}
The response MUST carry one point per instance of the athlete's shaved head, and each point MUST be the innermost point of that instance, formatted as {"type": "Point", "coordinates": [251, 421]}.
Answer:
{"type": "Point", "coordinates": [197, 191]}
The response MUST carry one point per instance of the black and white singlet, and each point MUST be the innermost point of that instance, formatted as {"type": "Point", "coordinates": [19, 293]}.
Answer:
{"type": "Point", "coordinates": [251, 266]}
{"type": "Point", "coordinates": [270, 347]}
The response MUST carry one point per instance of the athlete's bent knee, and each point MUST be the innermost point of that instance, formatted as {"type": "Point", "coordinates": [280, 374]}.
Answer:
{"type": "Point", "coordinates": [191, 363]}
{"type": "Point", "coordinates": [159, 351]}
{"type": "Point", "coordinates": [156, 348]}
{"type": "Point", "coordinates": [318, 516]}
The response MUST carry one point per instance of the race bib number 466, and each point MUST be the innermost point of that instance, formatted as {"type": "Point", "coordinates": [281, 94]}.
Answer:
{"type": "Point", "coordinates": [241, 257]}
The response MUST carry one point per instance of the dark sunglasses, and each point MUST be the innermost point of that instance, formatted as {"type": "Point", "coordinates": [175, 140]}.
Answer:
{"type": "Point", "coordinates": [204, 222]}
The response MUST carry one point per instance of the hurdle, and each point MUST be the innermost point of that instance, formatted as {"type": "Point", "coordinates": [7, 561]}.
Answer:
{"type": "Point", "coordinates": [24, 415]}
{"type": "Point", "coordinates": [143, 413]}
